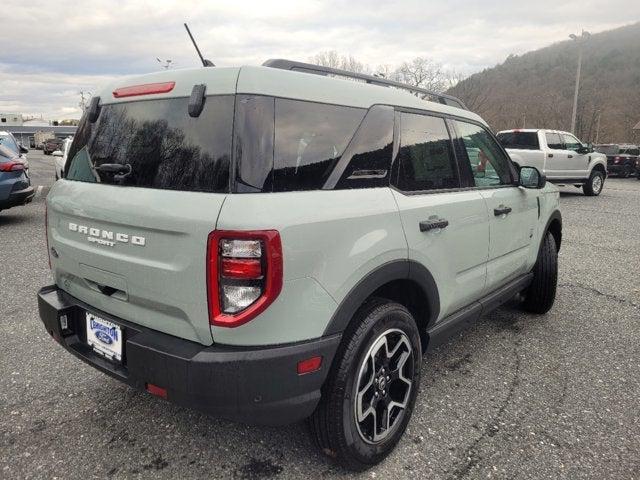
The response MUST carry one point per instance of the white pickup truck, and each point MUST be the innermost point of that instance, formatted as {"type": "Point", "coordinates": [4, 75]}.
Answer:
{"type": "Point", "coordinates": [560, 156]}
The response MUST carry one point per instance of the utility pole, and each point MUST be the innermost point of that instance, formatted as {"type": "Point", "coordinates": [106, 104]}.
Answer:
{"type": "Point", "coordinates": [580, 40]}
{"type": "Point", "coordinates": [598, 128]}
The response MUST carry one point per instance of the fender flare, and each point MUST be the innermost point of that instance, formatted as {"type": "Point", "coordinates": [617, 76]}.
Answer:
{"type": "Point", "coordinates": [395, 270]}
{"type": "Point", "coordinates": [556, 215]}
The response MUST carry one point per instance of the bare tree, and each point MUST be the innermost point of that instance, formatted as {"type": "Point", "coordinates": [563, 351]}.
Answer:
{"type": "Point", "coordinates": [422, 72]}
{"type": "Point", "coordinates": [333, 59]}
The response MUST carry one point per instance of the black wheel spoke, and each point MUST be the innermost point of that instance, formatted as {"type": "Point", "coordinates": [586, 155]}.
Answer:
{"type": "Point", "coordinates": [384, 385]}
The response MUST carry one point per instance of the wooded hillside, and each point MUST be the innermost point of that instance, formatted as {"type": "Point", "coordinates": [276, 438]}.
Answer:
{"type": "Point", "coordinates": [536, 89]}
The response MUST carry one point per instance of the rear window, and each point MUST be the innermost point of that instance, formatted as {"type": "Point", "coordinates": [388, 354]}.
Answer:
{"type": "Point", "coordinates": [607, 149]}
{"type": "Point", "coordinates": [629, 151]}
{"type": "Point", "coordinates": [164, 147]}
{"type": "Point", "coordinates": [284, 145]}
{"type": "Point", "coordinates": [520, 140]}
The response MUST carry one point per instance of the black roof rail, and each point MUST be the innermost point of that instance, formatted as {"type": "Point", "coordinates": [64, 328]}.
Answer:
{"type": "Point", "coordinates": [320, 70]}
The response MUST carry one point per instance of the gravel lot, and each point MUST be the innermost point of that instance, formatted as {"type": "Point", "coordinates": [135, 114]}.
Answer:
{"type": "Point", "coordinates": [514, 397]}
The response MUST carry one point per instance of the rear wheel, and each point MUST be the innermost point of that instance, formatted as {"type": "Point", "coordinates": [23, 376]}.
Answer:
{"type": "Point", "coordinates": [369, 396]}
{"type": "Point", "coordinates": [594, 185]}
{"type": "Point", "coordinates": [626, 171]}
{"type": "Point", "coordinates": [541, 294]}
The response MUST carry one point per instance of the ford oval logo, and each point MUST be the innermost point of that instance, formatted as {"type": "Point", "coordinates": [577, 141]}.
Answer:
{"type": "Point", "coordinates": [103, 337]}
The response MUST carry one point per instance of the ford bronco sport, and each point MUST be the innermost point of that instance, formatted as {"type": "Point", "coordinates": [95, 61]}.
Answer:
{"type": "Point", "coordinates": [275, 243]}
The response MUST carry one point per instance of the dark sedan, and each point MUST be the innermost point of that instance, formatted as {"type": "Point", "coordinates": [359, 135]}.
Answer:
{"type": "Point", "coordinates": [15, 185]}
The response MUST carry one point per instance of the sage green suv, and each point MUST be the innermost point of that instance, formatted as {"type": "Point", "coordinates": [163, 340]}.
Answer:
{"type": "Point", "coordinates": [282, 242]}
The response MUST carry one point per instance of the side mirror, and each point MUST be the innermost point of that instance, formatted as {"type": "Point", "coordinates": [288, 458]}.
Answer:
{"type": "Point", "coordinates": [22, 148]}
{"type": "Point", "coordinates": [530, 177]}
{"type": "Point", "coordinates": [57, 153]}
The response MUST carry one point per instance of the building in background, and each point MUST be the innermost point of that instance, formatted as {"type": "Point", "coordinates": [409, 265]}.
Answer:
{"type": "Point", "coordinates": [10, 119]}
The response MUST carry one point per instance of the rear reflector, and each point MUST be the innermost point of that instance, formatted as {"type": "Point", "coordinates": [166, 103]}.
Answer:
{"type": "Point", "coordinates": [146, 89]}
{"type": "Point", "coordinates": [309, 365]}
{"type": "Point", "coordinates": [156, 390]}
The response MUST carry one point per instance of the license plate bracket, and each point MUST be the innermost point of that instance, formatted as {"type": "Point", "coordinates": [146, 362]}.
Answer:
{"type": "Point", "coordinates": [104, 337]}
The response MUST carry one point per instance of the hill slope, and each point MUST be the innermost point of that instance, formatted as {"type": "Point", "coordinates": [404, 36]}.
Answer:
{"type": "Point", "coordinates": [536, 89]}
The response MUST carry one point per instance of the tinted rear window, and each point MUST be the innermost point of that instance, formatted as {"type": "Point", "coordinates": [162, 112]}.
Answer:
{"type": "Point", "coordinates": [309, 140]}
{"type": "Point", "coordinates": [607, 149]}
{"type": "Point", "coordinates": [521, 140]}
{"type": "Point", "coordinates": [165, 147]}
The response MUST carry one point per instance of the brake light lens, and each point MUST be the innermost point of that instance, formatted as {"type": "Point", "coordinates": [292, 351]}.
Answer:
{"type": "Point", "coordinates": [11, 166]}
{"type": "Point", "coordinates": [145, 89]}
{"type": "Point", "coordinates": [244, 274]}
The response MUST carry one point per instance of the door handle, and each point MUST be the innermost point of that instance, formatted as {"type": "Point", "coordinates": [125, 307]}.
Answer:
{"type": "Point", "coordinates": [427, 225]}
{"type": "Point", "coordinates": [569, 156]}
{"type": "Point", "coordinates": [501, 210]}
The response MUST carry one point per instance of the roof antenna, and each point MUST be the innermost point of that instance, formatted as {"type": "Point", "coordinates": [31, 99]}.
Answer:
{"type": "Point", "coordinates": [205, 62]}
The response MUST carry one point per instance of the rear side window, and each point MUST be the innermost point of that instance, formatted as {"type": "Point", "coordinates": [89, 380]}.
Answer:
{"type": "Point", "coordinates": [488, 163]}
{"type": "Point", "coordinates": [164, 147]}
{"type": "Point", "coordinates": [309, 140]}
{"type": "Point", "coordinates": [520, 140]}
{"type": "Point", "coordinates": [554, 141]}
{"type": "Point", "coordinates": [425, 158]}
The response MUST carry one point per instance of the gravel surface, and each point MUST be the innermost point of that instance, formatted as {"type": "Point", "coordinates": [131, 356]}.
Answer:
{"type": "Point", "coordinates": [514, 397]}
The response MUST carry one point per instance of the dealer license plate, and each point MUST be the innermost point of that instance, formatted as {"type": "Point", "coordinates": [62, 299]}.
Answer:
{"type": "Point", "coordinates": [104, 337]}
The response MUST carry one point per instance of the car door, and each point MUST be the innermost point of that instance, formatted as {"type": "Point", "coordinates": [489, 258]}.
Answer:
{"type": "Point", "coordinates": [446, 227]}
{"type": "Point", "coordinates": [577, 163]}
{"type": "Point", "coordinates": [512, 210]}
{"type": "Point", "coordinates": [556, 161]}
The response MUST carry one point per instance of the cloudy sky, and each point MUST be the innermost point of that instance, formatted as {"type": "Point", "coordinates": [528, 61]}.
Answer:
{"type": "Point", "coordinates": [51, 50]}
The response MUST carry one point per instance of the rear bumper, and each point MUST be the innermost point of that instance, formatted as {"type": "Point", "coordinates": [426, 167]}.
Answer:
{"type": "Point", "coordinates": [616, 168]}
{"type": "Point", "coordinates": [252, 385]}
{"type": "Point", "coordinates": [19, 197]}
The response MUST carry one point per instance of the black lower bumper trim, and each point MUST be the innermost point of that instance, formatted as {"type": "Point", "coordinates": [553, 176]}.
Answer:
{"type": "Point", "coordinates": [20, 197]}
{"type": "Point", "coordinates": [246, 384]}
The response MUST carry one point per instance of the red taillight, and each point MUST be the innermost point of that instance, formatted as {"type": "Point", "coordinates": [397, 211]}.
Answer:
{"type": "Point", "coordinates": [146, 89]}
{"type": "Point", "coordinates": [11, 166]}
{"type": "Point", "coordinates": [244, 274]}
{"type": "Point", "coordinates": [309, 365]}
{"type": "Point", "coordinates": [241, 268]}
{"type": "Point", "coordinates": [156, 390]}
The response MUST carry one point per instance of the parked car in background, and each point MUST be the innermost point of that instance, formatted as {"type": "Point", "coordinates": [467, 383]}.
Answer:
{"type": "Point", "coordinates": [621, 158]}
{"type": "Point", "coordinates": [560, 156]}
{"type": "Point", "coordinates": [52, 145]}
{"type": "Point", "coordinates": [15, 185]}
{"type": "Point", "coordinates": [270, 245]}
{"type": "Point", "coordinates": [40, 137]}
{"type": "Point", "coordinates": [60, 157]}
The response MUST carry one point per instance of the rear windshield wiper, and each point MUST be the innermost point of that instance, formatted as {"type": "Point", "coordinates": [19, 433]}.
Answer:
{"type": "Point", "coordinates": [120, 171]}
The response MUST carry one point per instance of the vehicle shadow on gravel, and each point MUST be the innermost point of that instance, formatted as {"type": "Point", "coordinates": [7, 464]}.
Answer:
{"type": "Point", "coordinates": [7, 220]}
{"type": "Point", "coordinates": [175, 439]}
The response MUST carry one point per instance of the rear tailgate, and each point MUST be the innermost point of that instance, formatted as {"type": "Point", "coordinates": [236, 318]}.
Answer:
{"type": "Point", "coordinates": [138, 254]}
{"type": "Point", "coordinates": [144, 184]}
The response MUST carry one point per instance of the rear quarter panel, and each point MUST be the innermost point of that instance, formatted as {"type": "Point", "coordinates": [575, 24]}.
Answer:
{"type": "Point", "coordinates": [330, 241]}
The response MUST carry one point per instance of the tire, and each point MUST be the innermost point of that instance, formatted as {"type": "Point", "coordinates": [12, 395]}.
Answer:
{"type": "Point", "coordinates": [626, 172]}
{"type": "Point", "coordinates": [594, 185]}
{"type": "Point", "coordinates": [540, 295]}
{"type": "Point", "coordinates": [356, 369]}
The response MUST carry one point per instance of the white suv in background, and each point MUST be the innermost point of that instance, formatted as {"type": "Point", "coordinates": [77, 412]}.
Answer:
{"type": "Point", "coordinates": [60, 157]}
{"type": "Point", "coordinates": [560, 156]}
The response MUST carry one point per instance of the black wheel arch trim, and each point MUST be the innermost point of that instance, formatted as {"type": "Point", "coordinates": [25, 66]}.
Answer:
{"type": "Point", "coordinates": [395, 270]}
{"type": "Point", "coordinates": [555, 216]}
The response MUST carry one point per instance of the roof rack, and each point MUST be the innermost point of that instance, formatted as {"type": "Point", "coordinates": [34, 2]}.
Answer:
{"type": "Point", "coordinates": [325, 71]}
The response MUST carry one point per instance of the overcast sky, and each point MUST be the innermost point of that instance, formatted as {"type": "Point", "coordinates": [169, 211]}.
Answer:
{"type": "Point", "coordinates": [50, 50]}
